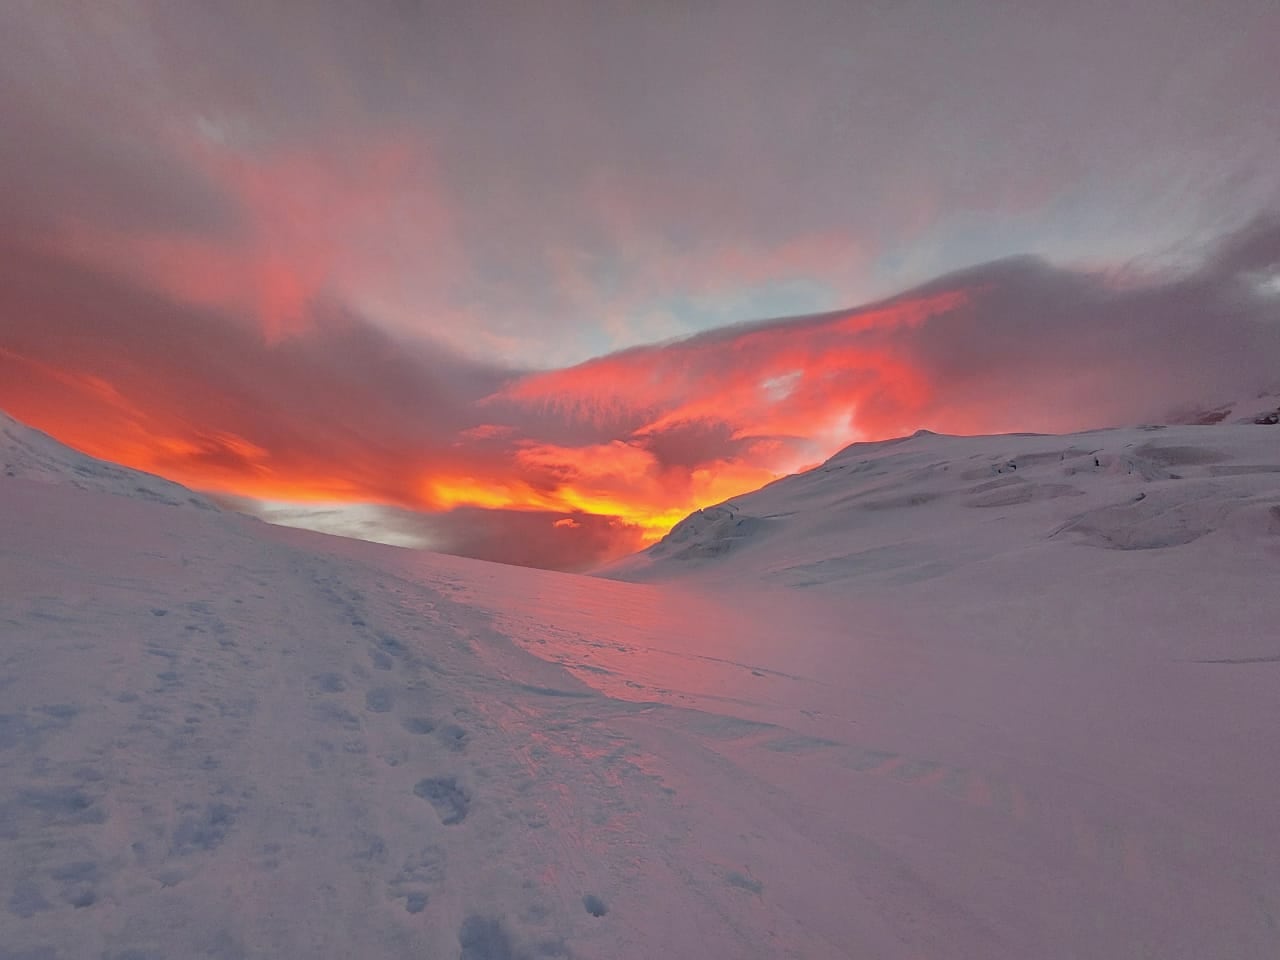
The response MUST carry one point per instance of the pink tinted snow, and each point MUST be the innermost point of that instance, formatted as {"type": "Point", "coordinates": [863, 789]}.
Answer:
{"type": "Point", "coordinates": [963, 735]}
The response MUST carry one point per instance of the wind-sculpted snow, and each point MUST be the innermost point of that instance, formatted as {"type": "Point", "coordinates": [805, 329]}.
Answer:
{"type": "Point", "coordinates": [980, 737]}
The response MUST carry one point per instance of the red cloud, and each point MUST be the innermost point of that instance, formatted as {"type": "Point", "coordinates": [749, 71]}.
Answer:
{"type": "Point", "coordinates": [793, 379]}
{"type": "Point", "coordinates": [622, 446]}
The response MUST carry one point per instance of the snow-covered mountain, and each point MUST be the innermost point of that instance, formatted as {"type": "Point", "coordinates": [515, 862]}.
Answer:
{"type": "Point", "coordinates": [920, 507]}
{"type": "Point", "coordinates": [986, 698]}
{"type": "Point", "coordinates": [28, 454]}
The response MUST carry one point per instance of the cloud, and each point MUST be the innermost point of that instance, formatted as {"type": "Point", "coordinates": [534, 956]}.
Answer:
{"type": "Point", "coordinates": [414, 443]}
{"type": "Point", "coordinates": [198, 395]}
{"type": "Point", "coordinates": [416, 256]}
{"type": "Point", "coordinates": [572, 543]}
{"type": "Point", "coordinates": [542, 185]}
{"type": "Point", "coordinates": [1011, 345]}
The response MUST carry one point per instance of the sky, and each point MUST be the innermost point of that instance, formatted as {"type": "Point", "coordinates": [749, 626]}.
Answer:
{"type": "Point", "coordinates": [505, 280]}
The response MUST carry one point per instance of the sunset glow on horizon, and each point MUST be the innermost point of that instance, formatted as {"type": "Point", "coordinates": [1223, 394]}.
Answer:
{"type": "Point", "coordinates": [674, 428]}
{"type": "Point", "coordinates": [500, 283]}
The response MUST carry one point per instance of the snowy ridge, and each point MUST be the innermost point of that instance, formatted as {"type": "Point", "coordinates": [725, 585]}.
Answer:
{"type": "Point", "coordinates": [919, 506]}
{"type": "Point", "coordinates": [28, 454]}
{"type": "Point", "coordinates": [1262, 409]}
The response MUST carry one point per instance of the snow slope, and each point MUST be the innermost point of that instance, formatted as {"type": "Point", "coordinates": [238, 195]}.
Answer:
{"type": "Point", "coordinates": [28, 454]}
{"type": "Point", "coordinates": [224, 739]}
{"type": "Point", "coordinates": [929, 506]}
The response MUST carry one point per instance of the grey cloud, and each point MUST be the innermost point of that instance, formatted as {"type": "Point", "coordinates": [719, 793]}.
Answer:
{"type": "Point", "coordinates": [89, 130]}
{"type": "Point", "coordinates": [646, 136]}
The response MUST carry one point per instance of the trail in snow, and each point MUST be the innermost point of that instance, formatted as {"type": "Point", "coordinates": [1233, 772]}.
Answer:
{"type": "Point", "coordinates": [217, 744]}
{"type": "Point", "coordinates": [224, 739]}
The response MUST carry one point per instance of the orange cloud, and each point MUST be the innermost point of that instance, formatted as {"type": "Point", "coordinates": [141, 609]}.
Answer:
{"type": "Point", "coordinates": [338, 412]}
{"type": "Point", "coordinates": [490, 462]}
{"type": "Point", "coordinates": [803, 379]}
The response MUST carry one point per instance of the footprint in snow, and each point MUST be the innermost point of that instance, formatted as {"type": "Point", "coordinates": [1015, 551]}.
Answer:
{"type": "Point", "coordinates": [378, 700]}
{"type": "Point", "coordinates": [329, 683]}
{"type": "Point", "coordinates": [450, 801]}
{"type": "Point", "coordinates": [418, 725]}
{"type": "Point", "coordinates": [453, 737]}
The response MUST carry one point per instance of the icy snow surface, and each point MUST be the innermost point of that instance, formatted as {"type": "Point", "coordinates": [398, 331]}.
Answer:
{"type": "Point", "coordinates": [1000, 697]}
